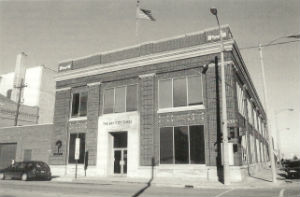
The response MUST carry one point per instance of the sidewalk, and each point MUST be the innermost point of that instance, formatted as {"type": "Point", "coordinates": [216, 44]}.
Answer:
{"type": "Point", "coordinates": [261, 179]}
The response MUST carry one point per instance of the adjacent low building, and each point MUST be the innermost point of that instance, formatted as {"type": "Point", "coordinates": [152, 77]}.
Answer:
{"type": "Point", "coordinates": [151, 109]}
{"type": "Point", "coordinates": [39, 88]}
{"type": "Point", "coordinates": [8, 109]}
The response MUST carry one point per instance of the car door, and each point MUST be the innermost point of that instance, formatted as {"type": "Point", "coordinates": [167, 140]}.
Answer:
{"type": "Point", "coordinates": [9, 172]}
{"type": "Point", "coordinates": [20, 167]}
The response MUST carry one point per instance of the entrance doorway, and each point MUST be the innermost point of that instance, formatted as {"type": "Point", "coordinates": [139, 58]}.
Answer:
{"type": "Point", "coordinates": [120, 153]}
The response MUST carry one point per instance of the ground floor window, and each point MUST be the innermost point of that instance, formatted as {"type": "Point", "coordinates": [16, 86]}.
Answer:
{"type": "Point", "coordinates": [73, 137]}
{"type": "Point", "coordinates": [182, 145]}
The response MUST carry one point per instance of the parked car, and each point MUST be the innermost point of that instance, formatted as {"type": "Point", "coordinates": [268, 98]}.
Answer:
{"type": "Point", "coordinates": [27, 170]}
{"type": "Point", "coordinates": [292, 168]}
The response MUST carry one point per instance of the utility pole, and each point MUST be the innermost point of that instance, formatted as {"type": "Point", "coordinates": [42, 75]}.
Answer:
{"type": "Point", "coordinates": [226, 167]}
{"type": "Point", "coordinates": [271, 148]}
{"type": "Point", "coordinates": [22, 85]}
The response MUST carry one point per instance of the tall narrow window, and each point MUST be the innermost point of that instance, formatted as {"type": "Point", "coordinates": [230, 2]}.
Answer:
{"type": "Point", "coordinates": [75, 104]}
{"type": "Point", "coordinates": [131, 100]}
{"type": "Point", "coordinates": [195, 90]}
{"type": "Point", "coordinates": [120, 100]}
{"type": "Point", "coordinates": [79, 104]}
{"type": "Point", "coordinates": [181, 145]}
{"type": "Point", "coordinates": [73, 137]}
{"type": "Point", "coordinates": [166, 145]}
{"type": "Point", "coordinates": [165, 93]}
{"type": "Point", "coordinates": [179, 92]}
{"type": "Point", "coordinates": [108, 101]}
{"type": "Point", "coordinates": [83, 103]}
{"type": "Point", "coordinates": [197, 144]}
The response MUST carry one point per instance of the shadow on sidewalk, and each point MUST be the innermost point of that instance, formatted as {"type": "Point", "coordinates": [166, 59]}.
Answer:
{"type": "Point", "coordinates": [138, 193]}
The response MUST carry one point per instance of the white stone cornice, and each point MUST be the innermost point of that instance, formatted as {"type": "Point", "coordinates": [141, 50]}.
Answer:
{"type": "Point", "coordinates": [63, 89]}
{"type": "Point", "coordinates": [94, 83]}
{"type": "Point", "coordinates": [167, 56]}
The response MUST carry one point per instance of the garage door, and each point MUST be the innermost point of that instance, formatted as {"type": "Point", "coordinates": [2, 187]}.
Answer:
{"type": "Point", "coordinates": [7, 154]}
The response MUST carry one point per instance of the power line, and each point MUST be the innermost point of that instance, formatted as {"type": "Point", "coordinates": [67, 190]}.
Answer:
{"type": "Point", "coordinates": [266, 45]}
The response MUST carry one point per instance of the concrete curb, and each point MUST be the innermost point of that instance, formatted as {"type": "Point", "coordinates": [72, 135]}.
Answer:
{"type": "Point", "coordinates": [212, 185]}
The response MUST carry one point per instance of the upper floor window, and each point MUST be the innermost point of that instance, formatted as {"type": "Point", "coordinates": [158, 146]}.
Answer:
{"type": "Point", "coordinates": [120, 99]}
{"type": "Point", "coordinates": [79, 104]}
{"type": "Point", "coordinates": [180, 92]}
{"type": "Point", "coordinates": [240, 99]}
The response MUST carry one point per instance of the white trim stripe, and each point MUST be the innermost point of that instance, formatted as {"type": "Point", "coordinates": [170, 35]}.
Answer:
{"type": "Point", "coordinates": [190, 52]}
{"type": "Point", "coordinates": [63, 89]}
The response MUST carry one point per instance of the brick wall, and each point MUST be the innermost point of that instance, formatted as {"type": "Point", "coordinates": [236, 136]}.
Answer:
{"type": "Point", "coordinates": [61, 121]}
{"type": "Point", "coordinates": [36, 138]}
{"type": "Point", "coordinates": [27, 115]}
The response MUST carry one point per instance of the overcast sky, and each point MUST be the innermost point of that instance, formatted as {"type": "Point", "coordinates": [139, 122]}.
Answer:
{"type": "Point", "coordinates": [52, 31]}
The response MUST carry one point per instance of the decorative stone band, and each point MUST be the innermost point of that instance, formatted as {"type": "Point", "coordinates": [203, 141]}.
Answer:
{"type": "Point", "coordinates": [147, 75]}
{"type": "Point", "coordinates": [63, 89]}
{"type": "Point", "coordinates": [94, 84]}
{"type": "Point", "coordinates": [190, 52]}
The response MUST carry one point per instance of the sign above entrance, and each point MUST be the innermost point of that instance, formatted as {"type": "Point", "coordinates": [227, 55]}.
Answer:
{"type": "Point", "coordinates": [120, 122]}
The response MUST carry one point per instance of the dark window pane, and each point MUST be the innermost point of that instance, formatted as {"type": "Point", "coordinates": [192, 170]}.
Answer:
{"type": "Point", "coordinates": [181, 145]}
{"type": "Point", "coordinates": [165, 93]}
{"type": "Point", "coordinates": [73, 137]}
{"type": "Point", "coordinates": [179, 92]}
{"type": "Point", "coordinates": [72, 148]}
{"type": "Point", "coordinates": [75, 104]}
{"type": "Point", "coordinates": [108, 101]}
{"type": "Point", "coordinates": [166, 145]}
{"type": "Point", "coordinates": [83, 103]}
{"type": "Point", "coordinates": [195, 90]}
{"type": "Point", "coordinates": [197, 145]}
{"type": "Point", "coordinates": [120, 100]}
{"type": "Point", "coordinates": [120, 139]}
{"type": "Point", "coordinates": [131, 100]}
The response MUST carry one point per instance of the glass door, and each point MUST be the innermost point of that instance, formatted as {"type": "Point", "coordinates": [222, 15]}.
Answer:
{"type": "Point", "coordinates": [120, 152]}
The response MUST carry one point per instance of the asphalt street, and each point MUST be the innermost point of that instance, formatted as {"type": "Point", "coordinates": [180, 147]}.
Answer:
{"type": "Point", "coordinates": [11, 188]}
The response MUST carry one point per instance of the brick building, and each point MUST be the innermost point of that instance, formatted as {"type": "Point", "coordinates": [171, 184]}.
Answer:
{"type": "Point", "coordinates": [27, 116]}
{"type": "Point", "coordinates": [151, 108]}
{"type": "Point", "coordinates": [23, 143]}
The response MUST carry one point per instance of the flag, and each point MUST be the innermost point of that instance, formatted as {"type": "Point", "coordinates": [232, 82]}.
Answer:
{"type": "Point", "coordinates": [143, 13]}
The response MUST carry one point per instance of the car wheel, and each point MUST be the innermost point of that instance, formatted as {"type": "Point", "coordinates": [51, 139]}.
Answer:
{"type": "Point", "coordinates": [24, 177]}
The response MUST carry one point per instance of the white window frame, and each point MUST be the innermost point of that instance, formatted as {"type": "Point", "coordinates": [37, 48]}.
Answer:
{"type": "Point", "coordinates": [114, 88]}
{"type": "Point", "coordinates": [75, 118]}
{"type": "Point", "coordinates": [181, 108]}
{"type": "Point", "coordinates": [189, 148]}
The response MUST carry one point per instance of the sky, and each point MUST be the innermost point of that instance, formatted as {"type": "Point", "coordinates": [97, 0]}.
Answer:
{"type": "Point", "coordinates": [52, 31]}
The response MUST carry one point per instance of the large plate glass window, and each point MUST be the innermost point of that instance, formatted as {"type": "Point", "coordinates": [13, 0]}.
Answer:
{"type": "Point", "coordinates": [182, 145]}
{"type": "Point", "coordinates": [79, 104]}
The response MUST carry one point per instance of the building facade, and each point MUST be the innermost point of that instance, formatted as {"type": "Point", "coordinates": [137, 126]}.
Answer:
{"type": "Point", "coordinates": [27, 115]}
{"type": "Point", "coordinates": [23, 143]}
{"type": "Point", "coordinates": [39, 91]}
{"type": "Point", "coordinates": [151, 109]}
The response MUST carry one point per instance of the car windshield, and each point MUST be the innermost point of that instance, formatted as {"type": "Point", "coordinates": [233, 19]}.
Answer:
{"type": "Point", "coordinates": [41, 165]}
{"type": "Point", "coordinates": [19, 165]}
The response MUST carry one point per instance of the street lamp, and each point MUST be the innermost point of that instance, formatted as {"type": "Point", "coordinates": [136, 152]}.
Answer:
{"type": "Point", "coordinates": [278, 131]}
{"type": "Point", "coordinates": [214, 11]}
{"type": "Point", "coordinates": [271, 151]}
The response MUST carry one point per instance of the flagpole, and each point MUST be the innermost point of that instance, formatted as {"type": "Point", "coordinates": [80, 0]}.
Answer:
{"type": "Point", "coordinates": [137, 22]}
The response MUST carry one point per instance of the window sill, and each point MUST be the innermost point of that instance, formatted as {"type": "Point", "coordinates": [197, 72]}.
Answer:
{"type": "Point", "coordinates": [78, 118]}
{"type": "Point", "coordinates": [178, 109]}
